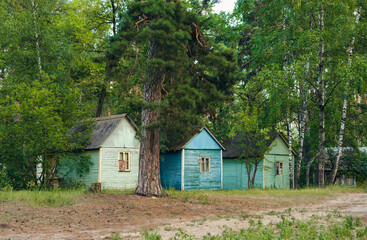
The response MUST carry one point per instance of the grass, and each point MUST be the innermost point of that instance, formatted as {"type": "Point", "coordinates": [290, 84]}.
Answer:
{"type": "Point", "coordinates": [208, 196]}
{"type": "Point", "coordinates": [42, 198]}
{"type": "Point", "coordinates": [66, 197]}
{"type": "Point", "coordinates": [287, 228]}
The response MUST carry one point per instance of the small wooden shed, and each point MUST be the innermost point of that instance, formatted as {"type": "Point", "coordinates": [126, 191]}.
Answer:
{"type": "Point", "coordinates": [114, 151]}
{"type": "Point", "coordinates": [273, 171]}
{"type": "Point", "coordinates": [194, 164]}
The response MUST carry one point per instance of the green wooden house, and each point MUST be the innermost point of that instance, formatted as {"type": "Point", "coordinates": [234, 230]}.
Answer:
{"type": "Point", "coordinates": [272, 171]}
{"type": "Point", "coordinates": [114, 152]}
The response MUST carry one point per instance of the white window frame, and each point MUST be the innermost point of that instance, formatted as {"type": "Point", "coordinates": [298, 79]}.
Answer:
{"type": "Point", "coordinates": [277, 166]}
{"type": "Point", "coordinates": [204, 161]}
{"type": "Point", "coordinates": [123, 153]}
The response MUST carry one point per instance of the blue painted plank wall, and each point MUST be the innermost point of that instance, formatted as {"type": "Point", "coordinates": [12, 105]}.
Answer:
{"type": "Point", "coordinates": [194, 179]}
{"type": "Point", "coordinates": [235, 175]}
{"type": "Point", "coordinates": [170, 169]}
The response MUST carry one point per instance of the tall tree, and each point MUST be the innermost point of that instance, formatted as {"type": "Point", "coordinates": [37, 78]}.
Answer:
{"type": "Point", "coordinates": [178, 57]}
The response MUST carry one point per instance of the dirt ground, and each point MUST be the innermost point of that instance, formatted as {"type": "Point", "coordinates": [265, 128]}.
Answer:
{"type": "Point", "coordinates": [100, 216]}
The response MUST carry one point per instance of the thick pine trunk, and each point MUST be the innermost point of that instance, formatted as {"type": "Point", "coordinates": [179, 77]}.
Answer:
{"type": "Point", "coordinates": [344, 113]}
{"type": "Point", "coordinates": [321, 103]}
{"type": "Point", "coordinates": [149, 182]}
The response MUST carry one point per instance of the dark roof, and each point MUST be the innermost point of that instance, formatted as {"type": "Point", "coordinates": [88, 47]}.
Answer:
{"type": "Point", "coordinates": [233, 149]}
{"type": "Point", "coordinates": [195, 131]}
{"type": "Point", "coordinates": [102, 128]}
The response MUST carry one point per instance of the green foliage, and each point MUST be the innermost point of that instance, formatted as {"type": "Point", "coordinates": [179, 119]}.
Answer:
{"type": "Point", "coordinates": [345, 228]}
{"type": "Point", "coordinates": [352, 164]}
{"type": "Point", "coordinates": [197, 73]}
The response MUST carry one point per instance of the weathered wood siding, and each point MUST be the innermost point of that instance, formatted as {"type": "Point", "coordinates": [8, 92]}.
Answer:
{"type": "Point", "coordinates": [122, 136]}
{"type": "Point", "coordinates": [89, 177]}
{"type": "Point", "coordinates": [202, 145]}
{"type": "Point", "coordinates": [122, 139]}
{"type": "Point", "coordinates": [170, 168]}
{"type": "Point", "coordinates": [202, 140]}
{"type": "Point", "coordinates": [278, 152]}
{"type": "Point", "coordinates": [194, 179]}
{"type": "Point", "coordinates": [111, 177]}
{"type": "Point", "coordinates": [235, 175]}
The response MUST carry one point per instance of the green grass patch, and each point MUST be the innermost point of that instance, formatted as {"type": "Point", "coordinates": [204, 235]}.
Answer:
{"type": "Point", "coordinates": [206, 195]}
{"type": "Point", "coordinates": [42, 197]}
{"type": "Point", "coordinates": [286, 228]}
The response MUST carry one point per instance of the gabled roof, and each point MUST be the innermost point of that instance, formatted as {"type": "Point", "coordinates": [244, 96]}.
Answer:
{"type": "Point", "coordinates": [102, 128]}
{"type": "Point", "coordinates": [234, 151]}
{"type": "Point", "coordinates": [196, 131]}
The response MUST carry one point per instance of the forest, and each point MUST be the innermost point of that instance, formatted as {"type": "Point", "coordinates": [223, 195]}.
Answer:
{"type": "Point", "coordinates": [296, 66]}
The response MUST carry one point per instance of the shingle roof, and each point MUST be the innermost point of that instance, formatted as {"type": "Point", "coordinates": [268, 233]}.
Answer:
{"type": "Point", "coordinates": [102, 128]}
{"type": "Point", "coordinates": [233, 149]}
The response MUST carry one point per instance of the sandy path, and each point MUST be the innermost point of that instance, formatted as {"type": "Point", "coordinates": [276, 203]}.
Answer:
{"type": "Point", "coordinates": [354, 204]}
{"type": "Point", "coordinates": [100, 216]}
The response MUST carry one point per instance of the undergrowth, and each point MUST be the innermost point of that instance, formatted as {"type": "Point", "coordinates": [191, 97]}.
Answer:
{"type": "Point", "coordinates": [207, 196]}
{"type": "Point", "coordinates": [286, 228]}
{"type": "Point", "coordinates": [42, 197]}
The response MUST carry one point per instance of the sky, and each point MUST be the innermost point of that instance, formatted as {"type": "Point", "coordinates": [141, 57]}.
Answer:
{"type": "Point", "coordinates": [224, 5]}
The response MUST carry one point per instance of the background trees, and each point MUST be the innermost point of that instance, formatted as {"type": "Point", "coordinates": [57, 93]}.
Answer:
{"type": "Point", "coordinates": [287, 65]}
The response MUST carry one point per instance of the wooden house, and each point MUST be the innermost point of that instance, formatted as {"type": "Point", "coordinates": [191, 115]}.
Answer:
{"type": "Point", "coordinates": [114, 151]}
{"type": "Point", "coordinates": [347, 165]}
{"type": "Point", "coordinates": [194, 164]}
{"type": "Point", "coordinates": [272, 171]}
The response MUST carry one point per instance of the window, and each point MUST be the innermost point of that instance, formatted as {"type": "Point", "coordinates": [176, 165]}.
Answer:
{"type": "Point", "coordinates": [279, 168]}
{"type": "Point", "coordinates": [204, 164]}
{"type": "Point", "coordinates": [124, 161]}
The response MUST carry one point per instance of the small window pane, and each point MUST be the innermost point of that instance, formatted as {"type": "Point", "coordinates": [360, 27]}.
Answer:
{"type": "Point", "coordinates": [124, 161]}
{"type": "Point", "coordinates": [204, 164]}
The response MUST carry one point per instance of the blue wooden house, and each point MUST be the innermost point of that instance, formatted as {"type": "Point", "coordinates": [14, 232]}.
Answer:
{"type": "Point", "coordinates": [194, 164]}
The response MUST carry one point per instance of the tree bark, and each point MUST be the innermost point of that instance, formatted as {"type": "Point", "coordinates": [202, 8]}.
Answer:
{"type": "Point", "coordinates": [254, 175]}
{"type": "Point", "coordinates": [344, 113]}
{"type": "Point", "coordinates": [321, 104]}
{"type": "Point", "coordinates": [302, 127]}
{"type": "Point", "coordinates": [289, 130]}
{"type": "Point", "coordinates": [149, 182]}
{"type": "Point", "coordinates": [308, 169]}
{"type": "Point", "coordinates": [108, 68]}
{"type": "Point", "coordinates": [102, 96]}
{"type": "Point", "coordinates": [36, 36]}
{"type": "Point", "coordinates": [290, 154]}
{"type": "Point", "coordinates": [248, 170]}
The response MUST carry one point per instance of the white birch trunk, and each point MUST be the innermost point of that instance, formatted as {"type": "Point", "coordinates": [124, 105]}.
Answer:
{"type": "Point", "coordinates": [290, 153]}
{"type": "Point", "coordinates": [339, 152]}
{"type": "Point", "coordinates": [321, 103]}
{"type": "Point", "coordinates": [289, 130]}
{"type": "Point", "coordinates": [302, 128]}
{"type": "Point", "coordinates": [36, 36]}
